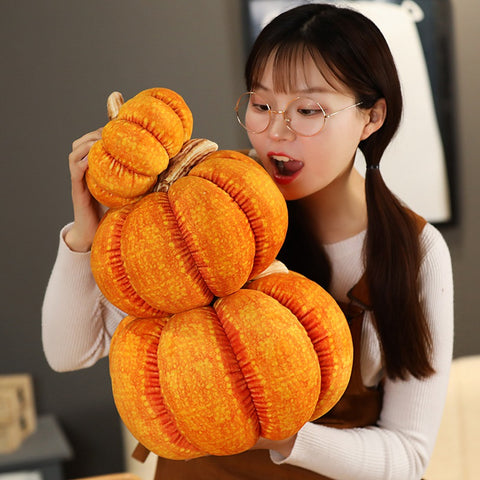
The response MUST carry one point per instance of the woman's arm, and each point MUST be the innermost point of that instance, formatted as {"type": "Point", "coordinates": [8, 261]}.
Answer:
{"type": "Point", "coordinates": [77, 321]}
{"type": "Point", "coordinates": [402, 443]}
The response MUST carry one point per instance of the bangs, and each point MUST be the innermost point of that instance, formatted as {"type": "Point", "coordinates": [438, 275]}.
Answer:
{"type": "Point", "coordinates": [288, 62]}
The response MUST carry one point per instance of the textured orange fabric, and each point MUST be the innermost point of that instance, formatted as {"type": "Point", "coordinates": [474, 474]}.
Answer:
{"type": "Point", "coordinates": [358, 407]}
{"type": "Point", "coordinates": [257, 196]}
{"type": "Point", "coordinates": [256, 464]}
{"type": "Point", "coordinates": [210, 381]}
{"type": "Point", "coordinates": [213, 230]}
{"type": "Point", "coordinates": [135, 147]}
{"type": "Point", "coordinates": [320, 317]}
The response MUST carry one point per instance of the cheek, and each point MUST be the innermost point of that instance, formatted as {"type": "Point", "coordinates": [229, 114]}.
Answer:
{"type": "Point", "coordinates": [336, 146]}
{"type": "Point", "coordinates": [327, 159]}
{"type": "Point", "coordinates": [255, 141]}
{"type": "Point", "coordinates": [319, 155]}
{"type": "Point", "coordinates": [257, 144]}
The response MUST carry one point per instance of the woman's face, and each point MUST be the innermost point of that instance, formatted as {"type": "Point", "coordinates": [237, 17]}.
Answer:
{"type": "Point", "coordinates": [299, 165]}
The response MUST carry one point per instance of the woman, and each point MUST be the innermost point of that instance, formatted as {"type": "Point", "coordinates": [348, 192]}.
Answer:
{"type": "Point", "coordinates": [321, 83]}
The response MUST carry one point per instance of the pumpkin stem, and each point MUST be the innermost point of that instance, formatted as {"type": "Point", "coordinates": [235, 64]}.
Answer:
{"type": "Point", "coordinates": [114, 102]}
{"type": "Point", "coordinates": [192, 153]}
{"type": "Point", "coordinates": [275, 267]}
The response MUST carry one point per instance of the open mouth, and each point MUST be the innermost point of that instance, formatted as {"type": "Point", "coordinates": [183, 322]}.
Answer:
{"type": "Point", "coordinates": [285, 166]}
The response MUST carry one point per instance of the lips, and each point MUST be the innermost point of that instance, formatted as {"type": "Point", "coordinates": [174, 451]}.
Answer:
{"type": "Point", "coordinates": [286, 169]}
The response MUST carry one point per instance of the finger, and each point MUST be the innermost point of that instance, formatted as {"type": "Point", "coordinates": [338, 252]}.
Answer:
{"type": "Point", "coordinates": [88, 137]}
{"type": "Point", "coordinates": [80, 152]}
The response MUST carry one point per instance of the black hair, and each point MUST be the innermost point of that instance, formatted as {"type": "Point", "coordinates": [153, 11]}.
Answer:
{"type": "Point", "coordinates": [349, 46]}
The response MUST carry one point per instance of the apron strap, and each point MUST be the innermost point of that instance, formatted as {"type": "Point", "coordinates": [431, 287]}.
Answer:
{"type": "Point", "coordinates": [140, 453]}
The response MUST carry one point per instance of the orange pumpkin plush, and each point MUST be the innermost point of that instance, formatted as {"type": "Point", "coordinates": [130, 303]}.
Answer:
{"type": "Point", "coordinates": [260, 362]}
{"type": "Point", "coordinates": [136, 146]}
{"type": "Point", "coordinates": [189, 377]}
{"type": "Point", "coordinates": [203, 236]}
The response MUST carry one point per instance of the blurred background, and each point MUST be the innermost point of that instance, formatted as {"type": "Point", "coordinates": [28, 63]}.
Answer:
{"type": "Point", "coordinates": [59, 61]}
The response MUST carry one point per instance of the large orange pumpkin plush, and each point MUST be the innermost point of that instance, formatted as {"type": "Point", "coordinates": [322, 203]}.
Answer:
{"type": "Point", "coordinates": [204, 235]}
{"type": "Point", "coordinates": [259, 362]}
{"type": "Point", "coordinates": [208, 359]}
{"type": "Point", "coordinates": [136, 146]}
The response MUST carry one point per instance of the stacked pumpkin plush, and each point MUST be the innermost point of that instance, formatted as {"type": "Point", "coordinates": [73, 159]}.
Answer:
{"type": "Point", "coordinates": [213, 355]}
{"type": "Point", "coordinates": [136, 146]}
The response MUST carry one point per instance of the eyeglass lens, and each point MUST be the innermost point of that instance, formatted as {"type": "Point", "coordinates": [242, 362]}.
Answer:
{"type": "Point", "coordinates": [302, 115]}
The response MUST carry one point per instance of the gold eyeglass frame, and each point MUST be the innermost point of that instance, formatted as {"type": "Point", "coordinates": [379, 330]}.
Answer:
{"type": "Point", "coordinates": [285, 118]}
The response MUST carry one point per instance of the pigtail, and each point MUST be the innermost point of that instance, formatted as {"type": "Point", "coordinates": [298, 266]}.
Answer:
{"type": "Point", "coordinates": [392, 251]}
{"type": "Point", "coordinates": [392, 257]}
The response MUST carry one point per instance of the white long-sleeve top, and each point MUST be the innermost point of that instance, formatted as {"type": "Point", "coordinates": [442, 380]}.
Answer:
{"type": "Point", "coordinates": [78, 323]}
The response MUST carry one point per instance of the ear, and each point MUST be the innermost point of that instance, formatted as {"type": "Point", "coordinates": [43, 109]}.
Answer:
{"type": "Point", "coordinates": [375, 118]}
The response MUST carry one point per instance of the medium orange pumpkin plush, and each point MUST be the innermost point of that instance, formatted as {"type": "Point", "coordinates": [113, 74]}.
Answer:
{"type": "Point", "coordinates": [204, 235]}
{"type": "Point", "coordinates": [260, 362]}
{"type": "Point", "coordinates": [136, 146]}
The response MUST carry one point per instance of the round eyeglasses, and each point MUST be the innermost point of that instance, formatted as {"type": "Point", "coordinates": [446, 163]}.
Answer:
{"type": "Point", "coordinates": [302, 115]}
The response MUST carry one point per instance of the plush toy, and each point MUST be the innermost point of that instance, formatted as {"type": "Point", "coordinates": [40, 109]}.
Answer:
{"type": "Point", "coordinates": [203, 234]}
{"type": "Point", "coordinates": [136, 145]}
{"type": "Point", "coordinates": [259, 362]}
{"type": "Point", "coordinates": [217, 350]}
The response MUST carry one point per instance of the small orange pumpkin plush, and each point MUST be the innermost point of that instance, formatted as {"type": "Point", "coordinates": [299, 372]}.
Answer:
{"type": "Point", "coordinates": [260, 362]}
{"type": "Point", "coordinates": [203, 236]}
{"type": "Point", "coordinates": [136, 146]}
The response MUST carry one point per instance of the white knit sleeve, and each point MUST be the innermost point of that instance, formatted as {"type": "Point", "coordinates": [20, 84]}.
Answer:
{"type": "Point", "coordinates": [77, 321]}
{"type": "Point", "coordinates": [400, 446]}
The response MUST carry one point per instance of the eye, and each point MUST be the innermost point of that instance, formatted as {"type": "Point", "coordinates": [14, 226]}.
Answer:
{"type": "Point", "coordinates": [305, 108]}
{"type": "Point", "coordinates": [309, 112]}
{"type": "Point", "coordinates": [260, 107]}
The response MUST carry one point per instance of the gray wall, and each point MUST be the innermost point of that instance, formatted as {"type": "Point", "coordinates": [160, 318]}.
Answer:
{"type": "Point", "coordinates": [59, 60]}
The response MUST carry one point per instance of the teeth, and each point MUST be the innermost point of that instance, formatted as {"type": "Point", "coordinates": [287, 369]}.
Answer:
{"type": "Point", "coordinates": [280, 158]}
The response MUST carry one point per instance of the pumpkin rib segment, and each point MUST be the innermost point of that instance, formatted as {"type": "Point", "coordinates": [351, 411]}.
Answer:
{"type": "Point", "coordinates": [156, 117]}
{"type": "Point", "coordinates": [188, 246]}
{"type": "Point", "coordinates": [137, 391]}
{"type": "Point", "coordinates": [257, 267]}
{"type": "Point", "coordinates": [277, 370]}
{"type": "Point", "coordinates": [254, 233]}
{"type": "Point", "coordinates": [239, 207]}
{"type": "Point", "coordinates": [159, 405]}
{"type": "Point", "coordinates": [108, 266]}
{"type": "Point", "coordinates": [211, 182]}
{"type": "Point", "coordinates": [120, 275]}
{"type": "Point", "coordinates": [158, 259]}
{"type": "Point", "coordinates": [331, 338]}
{"type": "Point", "coordinates": [267, 227]}
{"type": "Point", "coordinates": [139, 183]}
{"type": "Point", "coordinates": [209, 396]}
{"type": "Point", "coordinates": [130, 167]}
{"type": "Point", "coordinates": [249, 405]}
{"type": "Point", "coordinates": [230, 337]}
{"type": "Point", "coordinates": [211, 223]}
{"type": "Point", "coordinates": [177, 104]}
{"type": "Point", "coordinates": [105, 197]}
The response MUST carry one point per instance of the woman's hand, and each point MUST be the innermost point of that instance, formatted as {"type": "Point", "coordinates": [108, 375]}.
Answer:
{"type": "Point", "coordinates": [86, 210]}
{"type": "Point", "coordinates": [283, 447]}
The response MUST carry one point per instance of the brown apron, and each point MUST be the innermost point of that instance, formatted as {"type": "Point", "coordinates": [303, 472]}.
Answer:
{"type": "Point", "coordinates": [358, 407]}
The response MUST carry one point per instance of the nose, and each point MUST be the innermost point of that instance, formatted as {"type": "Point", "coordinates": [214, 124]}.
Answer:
{"type": "Point", "coordinates": [278, 129]}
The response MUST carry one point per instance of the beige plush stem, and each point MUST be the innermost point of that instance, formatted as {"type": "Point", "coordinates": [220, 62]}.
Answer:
{"type": "Point", "coordinates": [114, 102]}
{"type": "Point", "coordinates": [191, 154]}
{"type": "Point", "coordinates": [275, 267]}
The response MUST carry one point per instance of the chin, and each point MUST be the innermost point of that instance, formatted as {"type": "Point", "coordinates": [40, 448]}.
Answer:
{"type": "Point", "coordinates": [291, 194]}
